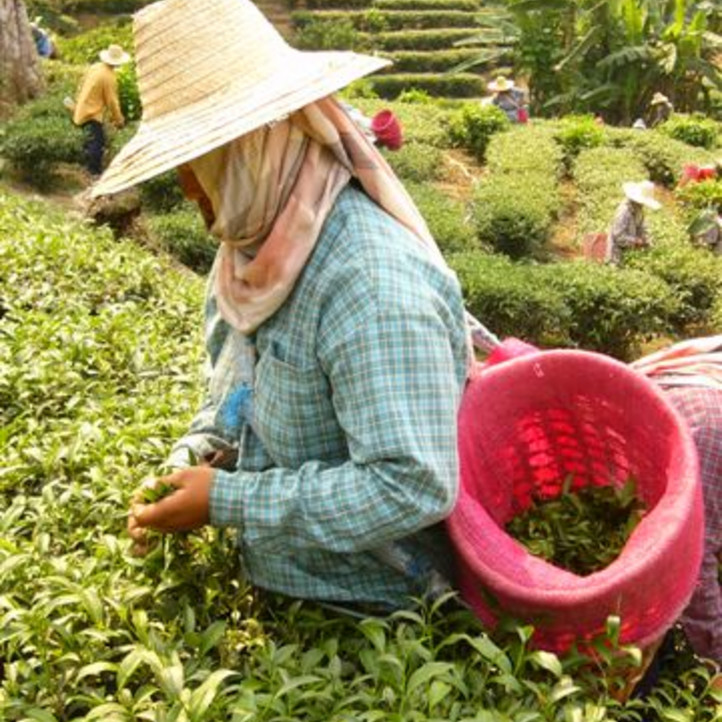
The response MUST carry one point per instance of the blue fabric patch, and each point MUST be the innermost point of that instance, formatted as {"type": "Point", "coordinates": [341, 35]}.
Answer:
{"type": "Point", "coordinates": [237, 409]}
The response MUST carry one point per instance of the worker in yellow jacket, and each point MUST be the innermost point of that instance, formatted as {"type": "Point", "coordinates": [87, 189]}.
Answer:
{"type": "Point", "coordinates": [99, 93]}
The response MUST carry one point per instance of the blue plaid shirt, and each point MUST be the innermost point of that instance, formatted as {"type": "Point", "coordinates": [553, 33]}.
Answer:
{"type": "Point", "coordinates": [344, 418]}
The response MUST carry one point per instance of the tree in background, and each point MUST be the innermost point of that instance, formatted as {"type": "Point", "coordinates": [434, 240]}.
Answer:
{"type": "Point", "coordinates": [20, 77]}
{"type": "Point", "coordinates": [610, 56]}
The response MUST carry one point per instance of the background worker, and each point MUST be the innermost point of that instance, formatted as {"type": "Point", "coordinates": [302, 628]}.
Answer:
{"type": "Point", "coordinates": [690, 374]}
{"type": "Point", "coordinates": [628, 229]}
{"type": "Point", "coordinates": [43, 42]}
{"type": "Point", "coordinates": [660, 109]}
{"type": "Point", "coordinates": [97, 96]}
{"type": "Point", "coordinates": [706, 230]}
{"type": "Point", "coordinates": [509, 98]}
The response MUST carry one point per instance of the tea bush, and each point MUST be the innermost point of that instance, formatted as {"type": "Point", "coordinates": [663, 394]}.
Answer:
{"type": "Point", "coordinates": [474, 124]}
{"type": "Point", "coordinates": [695, 129]}
{"type": "Point", "coordinates": [416, 40]}
{"type": "Point", "coordinates": [459, 85]}
{"type": "Point", "coordinates": [128, 93]}
{"type": "Point", "coordinates": [327, 35]}
{"type": "Point", "coordinates": [693, 274]}
{"type": "Point", "coordinates": [109, 7]}
{"type": "Point", "coordinates": [513, 213]}
{"type": "Point", "coordinates": [162, 193]}
{"type": "Point", "coordinates": [516, 204]}
{"type": "Point", "coordinates": [61, 78]}
{"type": "Point", "coordinates": [409, 61]}
{"type": "Point", "coordinates": [425, 123]}
{"type": "Point", "coordinates": [613, 310]}
{"type": "Point", "coordinates": [84, 49]}
{"type": "Point", "coordinates": [566, 304]}
{"type": "Point", "coordinates": [504, 297]}
{"type": "Point", "coordinates": [576, 133]}
{"type": "Point", "coordinates": [374, 20]}
{"type": "Point", "coordinates": [599, 174]}
{"type": "Point", "coordinates": [526, 149]}
{"type": "Point", "coordinates": [663, 157]}
{"type": "Point", "coordinates": [99, 349]}
{"type": "Point", "coordinates": [415, 162]}
{"type": "Point", "coordinates": [698, 196]}
{"type": "Point", "coordinates": [415, 95]}
{"type": "Point", "coordinates": [468, 5]}
{"type": "Point", "coordinates": [35, 143]}
{"type": "Point", "coordinates": [446, 218]}
{"type": "Point", "coordinates": [183, 235]}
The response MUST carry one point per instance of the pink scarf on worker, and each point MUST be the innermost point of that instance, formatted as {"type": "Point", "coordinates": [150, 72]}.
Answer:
{"type": "Point", "coordinates": [696, 362]}
{"type": "Point", "coordinates": [271, 191]}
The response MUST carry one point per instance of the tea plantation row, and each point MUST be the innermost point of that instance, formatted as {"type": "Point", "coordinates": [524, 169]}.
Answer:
{"type": "Point", "coordinates": [99, 349]}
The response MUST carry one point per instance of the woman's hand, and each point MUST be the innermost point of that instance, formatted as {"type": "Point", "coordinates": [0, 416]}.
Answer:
{"type": "Point", "coordinates": [185, 509]}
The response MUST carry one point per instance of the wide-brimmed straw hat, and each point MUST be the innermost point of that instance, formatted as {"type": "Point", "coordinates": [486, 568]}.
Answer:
{"type": "Point", "coordinates": [658, 98]}
{"type": "Point", "coordinates": [501, 84]}
{"type": "Point", "coordinates": [114, 55]}
{"type": "Point", "coordinates": [642, 192]}
{"type": "Point", "coordinates": [210, 72]}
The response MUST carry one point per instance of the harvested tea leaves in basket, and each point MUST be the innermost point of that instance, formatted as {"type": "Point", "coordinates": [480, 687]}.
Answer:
{"type": "Point", "coordinates": [581, 531]}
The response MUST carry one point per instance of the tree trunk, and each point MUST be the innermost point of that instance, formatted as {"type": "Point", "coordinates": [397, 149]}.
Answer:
{"type": "Point", "coordinates": [20, 76]}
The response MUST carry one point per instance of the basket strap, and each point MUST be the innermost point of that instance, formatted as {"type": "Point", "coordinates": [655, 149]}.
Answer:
{"type": "Point", "coordinates": [481, 337]}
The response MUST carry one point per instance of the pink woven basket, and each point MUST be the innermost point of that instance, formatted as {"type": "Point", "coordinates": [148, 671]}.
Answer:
{"type": "Point", "coordinates": [524, 426]}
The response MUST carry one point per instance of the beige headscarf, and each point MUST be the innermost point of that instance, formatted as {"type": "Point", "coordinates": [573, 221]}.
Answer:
{"type": "Point", "coordinates": [271, 191]}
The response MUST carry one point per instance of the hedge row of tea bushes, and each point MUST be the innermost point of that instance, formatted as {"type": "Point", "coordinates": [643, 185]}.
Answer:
{"type": "Point", "coordinates": [518, 200]}
{"type": "Point", "coordinates": [567, 304]}
{"type": "Point", "coordinates": [418, 35]}
{"type": "Point", "coordinates": [99, 352]}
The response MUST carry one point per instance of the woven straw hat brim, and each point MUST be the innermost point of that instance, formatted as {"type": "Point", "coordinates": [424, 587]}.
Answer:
{"type": "Point", "coordinates": [193, 130]}
{"type": "Point", "coordinates": [635, 193]}
{"type": "Point", "coordinates": [497, 88]}
{"type": "Point", "coordinates": [105, 56]}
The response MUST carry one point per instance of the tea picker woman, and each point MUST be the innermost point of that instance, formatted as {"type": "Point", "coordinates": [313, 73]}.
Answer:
{"type": "Point", "coordinates": [336, 337]}
{"type": "Point", "coordinates": [660, 109]}
{"type": "Point", "coordinates": [509, 98]}
{"type": "Point", "coordinates": [628, 229]}
{"type": "Point", "coordinates": [690, 373]}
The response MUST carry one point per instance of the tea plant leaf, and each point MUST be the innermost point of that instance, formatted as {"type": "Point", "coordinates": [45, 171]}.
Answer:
{"type": "Point", "coordinates": [373, 630]}
{"type": "Point", "coordinates": [90, 670]}
{"type": "Point", "coordinates": [211, 637]}
{"type": "Point", "coordinates": [108, 712]}
{"type": "Point", "coordinates": [129, 664]}
{"type": "Point", "coordinates": [548, 661]}
{"type": "Point", "coordinates": [489, 651]}
{"type": "Point", "coordinates": [424, 674]}
{"type": "Point", "coordinates": [675, 715]}
{"type": "Point", "coordinates": [564, 688]}
{"type": "Point", "coordinates": [295, 683]}
{"type": "Point", "coordinates": [203, 696]}
{"type": "Point", "coordinates": [41, 715]}
{"type": "Point", "coordinates": [438, 691]}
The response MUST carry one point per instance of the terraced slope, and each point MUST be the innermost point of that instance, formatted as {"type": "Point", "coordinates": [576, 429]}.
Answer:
{"type": "Point", "coordinates": [419, 36]}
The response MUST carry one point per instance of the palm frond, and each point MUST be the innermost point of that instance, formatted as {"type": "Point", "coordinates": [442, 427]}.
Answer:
{"type": "Point", "coordinates": [626, 56]}
{"type": "Point", "coordinates": [601, 92]}
{"type": "Point", "coordinates": [580, 49]}
{"type": "Point", "coordinates": [484, 57]}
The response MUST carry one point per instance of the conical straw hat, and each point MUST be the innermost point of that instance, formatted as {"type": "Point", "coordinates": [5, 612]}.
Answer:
{"type": "Point", "coordinates": [642, 192]}
{"type": "Point", "coordinates": [210, 71]}
{"type": "Point", "coordinates": [114, 55]}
